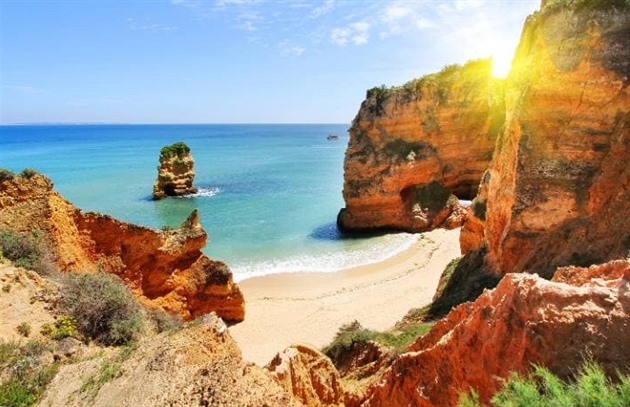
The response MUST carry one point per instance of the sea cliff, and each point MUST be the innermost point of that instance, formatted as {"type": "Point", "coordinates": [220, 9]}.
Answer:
{"type": "Point", "coordinates": [415, 148]}
{"type": "Point", "coordinates": [163, 268]}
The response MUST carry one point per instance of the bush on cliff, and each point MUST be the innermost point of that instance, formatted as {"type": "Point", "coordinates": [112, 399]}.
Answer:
{"type": "Point", "coordinates": [24, 373]}
{"type": "Point", "coordinates": [28, 251]}
{"type": "Point", "coordinates": [103, 307]}
{"type": "Point", "coordinates": [176, 149]}
{"type": "Point", "coordinates": [353, 334]}
{"type": "Point", "coordinates": [591, 388]}
{"type": "Point", "coordinates": [6, 174]}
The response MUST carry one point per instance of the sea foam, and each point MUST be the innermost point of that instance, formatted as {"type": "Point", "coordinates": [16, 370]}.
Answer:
{"type": "Point", "coordinates": [379, 249]}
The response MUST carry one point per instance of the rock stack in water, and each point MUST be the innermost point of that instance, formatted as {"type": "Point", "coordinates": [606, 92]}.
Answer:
{"type": "Point", "coordinates": [175, 173]}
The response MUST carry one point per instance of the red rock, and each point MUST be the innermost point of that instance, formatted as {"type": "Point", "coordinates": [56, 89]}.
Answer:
{"type": "Point", "coordinates": [525, 320]}
{"type": "Point", "coordinates": [163, 268]}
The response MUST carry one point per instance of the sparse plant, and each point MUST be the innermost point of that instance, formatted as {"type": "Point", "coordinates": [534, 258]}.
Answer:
{"type": "Point", "coordinates": [24, 329]}
{"type": "Point", "coordinates": [28, 251]}
{"type": "Point", "coordinates": [590, 387]}
{"type": "Point", "coordinates": [108, 371]}
{"type": "Point", "coordinates": [6, 174]}
{"type": "Point", "coordinates": [6, 288]}
{"type": "Point", "coordinates": [26, 375]}
{"type": "Point", "coordinates": [28, 173]}
{"type": "Point", "coordinates": [163, 321]}
{"type": "Point", "coordinates": [102, 306]}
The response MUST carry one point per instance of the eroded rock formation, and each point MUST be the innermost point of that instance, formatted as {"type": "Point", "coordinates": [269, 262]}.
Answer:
{"type": "Point", "coordinates": [163, 268]}
{"type": "Point", "coordinates": [175, 173]}
{"type": "Point", "coordinates": [308, 375]}
{"type": "Point", "coordinates": [525, 320]}
{"type": "Point", "coordinates": [413, 148]}
{"type": "Point", "coordinates": [558, 189]}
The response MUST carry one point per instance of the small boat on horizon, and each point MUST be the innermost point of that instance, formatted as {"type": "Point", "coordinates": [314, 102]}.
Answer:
{"type": "Point", "coordinates": [332, 137]}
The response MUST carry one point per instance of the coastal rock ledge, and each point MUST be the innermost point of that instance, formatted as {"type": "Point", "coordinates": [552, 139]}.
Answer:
{"type": "Point", "coordinates": [163, 269]}
{"type": "Point", "coordinates": [175, 173]}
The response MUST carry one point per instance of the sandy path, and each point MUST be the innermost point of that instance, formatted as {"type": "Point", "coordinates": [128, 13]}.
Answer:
{"type": "Point", "coordinates": [283, 309]}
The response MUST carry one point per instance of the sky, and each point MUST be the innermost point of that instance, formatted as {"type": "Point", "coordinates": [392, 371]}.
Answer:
{"type": "Point", "coordinates": [232, 61]}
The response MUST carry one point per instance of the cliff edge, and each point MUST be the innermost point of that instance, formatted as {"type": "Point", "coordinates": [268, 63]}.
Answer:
{"type": "Point", "coordinates": [163, 268]}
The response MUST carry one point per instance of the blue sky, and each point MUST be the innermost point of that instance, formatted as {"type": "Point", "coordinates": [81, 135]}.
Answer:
{"type": "Point", "coordinates": [232, 61]}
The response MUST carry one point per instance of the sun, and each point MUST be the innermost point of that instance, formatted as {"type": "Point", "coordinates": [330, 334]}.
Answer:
{"type": "Point", "coordinates": [501, 64]}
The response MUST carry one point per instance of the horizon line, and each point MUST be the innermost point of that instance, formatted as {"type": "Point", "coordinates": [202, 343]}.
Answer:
{"type": "Point", "coordinates": [166, 124]}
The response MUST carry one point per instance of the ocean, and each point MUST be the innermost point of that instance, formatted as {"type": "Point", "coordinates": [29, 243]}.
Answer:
{"type": "Point", "coordinates": [268, 194]}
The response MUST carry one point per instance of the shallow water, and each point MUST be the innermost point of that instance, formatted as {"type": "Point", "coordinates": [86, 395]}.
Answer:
{"type": "Point", "coordinates": [268, 194]}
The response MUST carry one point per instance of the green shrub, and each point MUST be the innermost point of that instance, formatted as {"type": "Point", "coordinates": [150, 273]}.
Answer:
{"type": "Point", "coordinates": [6, 174]}
{"type": "Point", "coordinates": [591, 387]}
{"type": "Point", "coordinates": [64, 327]}
{"type": "Point", "coordinates": [179, 149]}
{"type": "Point", "coordinates": [28, 172]}
{"type": "Point", "coordinates": [26, 375]}
{"type": "Point", "coordinates": [24, 329]}
{"type": "Point", "coordinates": [102, 307]}
{"type": "Point", "coordinates": [353, 333]}
{"type": "Point", "coordinates": [163, 321]}
{"type": "Point", "coordinates": [30, 252]}
{"type": "Point", "coordinates": [346, 337]}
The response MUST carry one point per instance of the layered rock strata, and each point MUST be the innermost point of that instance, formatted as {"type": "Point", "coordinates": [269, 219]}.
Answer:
{"type": "Point", "coordinates": [558, 189]}
{"type": "Point", "coordinates": [526, 320]}
{"type": "Point", "coordinates": [163, 268]}
{"type": "Point", "coordinates": [413, 149]}
{"type": "Point", "coordinates": [308, 375]}
{"type": "Point", "coordinates": [175, 173]}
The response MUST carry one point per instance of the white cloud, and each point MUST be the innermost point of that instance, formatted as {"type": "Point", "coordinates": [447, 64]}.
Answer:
{"type": "Point", "coordinates": [357, 33]}
{"type": "Point", "coordinates": [324, 8]}
{"type": "Point", "coordinates": [288, 48]}
{"type": "Point", "coordinates": [396, 11]}
{"type": "Point", "coordinates": [248, 21]}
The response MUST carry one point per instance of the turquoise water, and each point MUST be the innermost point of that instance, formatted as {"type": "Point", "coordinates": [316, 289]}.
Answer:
{"type": "Point", "coordinates": [268, 194]}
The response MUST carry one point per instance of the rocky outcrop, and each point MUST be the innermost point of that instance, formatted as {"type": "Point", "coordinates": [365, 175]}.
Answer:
{"type": "Point", "coordinates": [175, 173]}
{"type": "Point", "coordinates": [308, 375]}
{"type": "Point", "coordinates": [199, 365]}
{"type": "Point", "coordinates": [163, 268]}
{"type": "Point", "coordinates": [525, 320]}
{"type": "Point", "coordinates": [413, 149]}
{"type": "Point", "coordinates": [558, 189]}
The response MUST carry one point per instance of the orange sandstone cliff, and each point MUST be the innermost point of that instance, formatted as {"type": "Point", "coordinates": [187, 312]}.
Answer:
{"type": "Point", "coordinates": [163, 268]}
{"type": "Point", "coordinates": [558, 189]}
{"type": "Point", "coordinates": [413, 149]}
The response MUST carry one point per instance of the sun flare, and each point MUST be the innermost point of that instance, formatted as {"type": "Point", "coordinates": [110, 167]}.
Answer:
{"type": "Point", "coordinates": [501, 64]}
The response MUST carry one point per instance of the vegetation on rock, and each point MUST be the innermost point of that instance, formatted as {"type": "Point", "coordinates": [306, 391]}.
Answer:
{"type": "Point", "coordinates": [590, 388]}
{"type": "Point", "coordinates": [30, 252]}
{"type": "Point", "coordinates": [176, 149]}
{"type": "Point", "coordinates": [103, 308]}
{"type": "Point", "coordinates": [353, 333]}
{"type": "Point", "coordinates": [25, 375]}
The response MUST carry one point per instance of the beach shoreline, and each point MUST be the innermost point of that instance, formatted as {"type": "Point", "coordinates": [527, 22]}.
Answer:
{"type": "Point", "coordinates": [287, 308]}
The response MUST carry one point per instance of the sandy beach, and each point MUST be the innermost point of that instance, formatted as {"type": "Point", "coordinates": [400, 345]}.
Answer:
{"type": "Point", "coordinates": [283, 309]}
